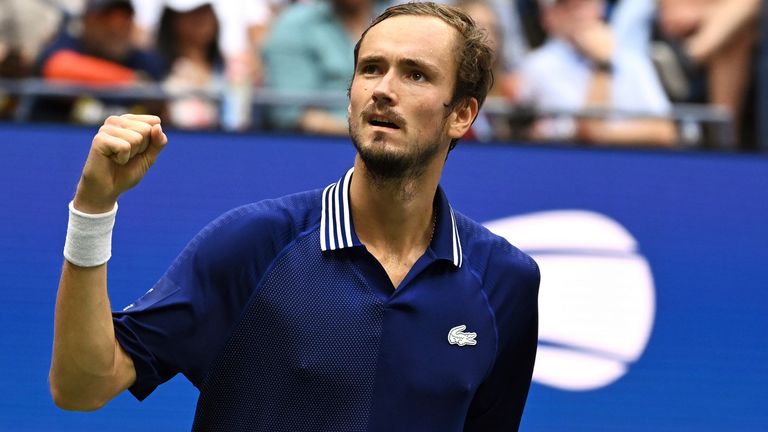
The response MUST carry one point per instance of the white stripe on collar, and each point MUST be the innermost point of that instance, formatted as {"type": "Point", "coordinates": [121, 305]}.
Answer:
{"type": "Point", "coordinates": [457, 252]}
{"type": "Point", "coordinates": [347, 214]}
{"type": "Point", "coordinates": [323, 243]}
{"type": "Point", "coordinates": [335, 219]}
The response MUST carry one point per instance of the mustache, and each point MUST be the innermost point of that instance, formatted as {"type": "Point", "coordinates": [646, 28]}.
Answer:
{"type": "Point", "coordinates": [372, 110]}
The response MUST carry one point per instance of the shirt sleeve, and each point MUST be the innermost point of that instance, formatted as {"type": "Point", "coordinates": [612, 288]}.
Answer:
{"type": "Point", "coordinates": [636, 85]}
{"type": "Point", "coordinates": [180, 325]}
{"type": "Point", "coordinates": [499, 402]}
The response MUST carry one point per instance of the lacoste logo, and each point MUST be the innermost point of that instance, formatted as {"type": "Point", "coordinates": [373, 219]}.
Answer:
{"type": "Point", "coordinates": [456, 336]}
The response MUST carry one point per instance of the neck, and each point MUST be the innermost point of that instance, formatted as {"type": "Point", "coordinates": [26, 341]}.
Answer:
{"type": "Point", "coordinates": [394, 217]}
{"type": "Point", "coordinates": [194, 53]}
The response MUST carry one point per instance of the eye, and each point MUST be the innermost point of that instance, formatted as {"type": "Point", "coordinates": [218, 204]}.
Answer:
{"type": "Point", "coordinates": [417, 76]}
{"type": "Point", "coordinates": [369, 69]}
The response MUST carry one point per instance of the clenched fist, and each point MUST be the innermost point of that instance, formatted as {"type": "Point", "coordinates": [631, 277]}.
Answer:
{"type": "Point", "coordinates": [121, 154]}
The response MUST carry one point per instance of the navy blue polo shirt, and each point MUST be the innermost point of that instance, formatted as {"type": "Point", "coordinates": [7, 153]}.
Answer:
{"type": "Point", "coordinates": [284, 321]}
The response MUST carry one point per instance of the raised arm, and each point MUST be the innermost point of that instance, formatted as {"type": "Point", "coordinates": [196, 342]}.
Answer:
{"type": "Point", "coordinates": [88, 366]}
{"type": "Point", "coordinates": [597, 42]}
{"type": "Point", "coordinates": [720, 24]}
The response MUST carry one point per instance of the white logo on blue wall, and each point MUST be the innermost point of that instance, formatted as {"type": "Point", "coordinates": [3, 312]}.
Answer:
{"type": "Point", "coordinates": [596, 300]}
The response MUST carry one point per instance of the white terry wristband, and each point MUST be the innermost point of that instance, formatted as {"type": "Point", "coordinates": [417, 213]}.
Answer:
{"type": "Point", "coordinates": [89, 237]}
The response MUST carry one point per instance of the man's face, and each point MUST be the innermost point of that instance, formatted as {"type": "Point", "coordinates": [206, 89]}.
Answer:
{"type": "Point", "coordinates": [107, 33]}
{"type": "Point", "coordinates": [403, 81]}
{"type": "Point", "coordinates": [197, 27]}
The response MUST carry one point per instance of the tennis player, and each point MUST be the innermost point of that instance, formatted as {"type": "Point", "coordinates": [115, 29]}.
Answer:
{"type": "Point", "coordinates": [369, 305]}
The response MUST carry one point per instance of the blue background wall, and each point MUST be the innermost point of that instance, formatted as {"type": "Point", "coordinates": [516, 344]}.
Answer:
{"type": "Point", "coordinates": [700, 220]}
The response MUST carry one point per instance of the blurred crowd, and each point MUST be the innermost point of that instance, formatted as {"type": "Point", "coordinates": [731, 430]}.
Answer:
{"type": "Point", "coordinates": [622, 72]}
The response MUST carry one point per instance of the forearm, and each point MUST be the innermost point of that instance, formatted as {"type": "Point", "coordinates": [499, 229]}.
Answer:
{"type": "Point", "coordinates": [658, 132]}
{"type": "Point", "coordinates": [88, 366]}
{"type": "Point", "coordinates": [654, 131]}
{"type": "Point", "coordinates": [722, 22]}
{"type": "Point", "coordinates": [322, 122]}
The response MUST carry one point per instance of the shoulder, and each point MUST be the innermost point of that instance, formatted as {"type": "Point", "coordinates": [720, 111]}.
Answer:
{"type": "Point", "coordinates": [290, 27]}
{"type": "Point", "coordinates": [502, 268]}
{"type": "Point", "coordinates": [63, 42]}
{"type": "Point", "coordinates": [149, 62]}
{"type": "Point", "coordinates": [298, 15]}
{"type": "Point", "coordinates": [66, 41]}
{"type": "Point", "coordinates": [256, 232]}
{"type": "Point", "coordinates": [291, 212]}
{"type": "Point", "coordinates": [485, 248]}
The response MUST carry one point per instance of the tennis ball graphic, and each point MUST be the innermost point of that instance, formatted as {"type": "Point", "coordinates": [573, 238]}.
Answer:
{"type": "Point", "coordinates": [596, 299]}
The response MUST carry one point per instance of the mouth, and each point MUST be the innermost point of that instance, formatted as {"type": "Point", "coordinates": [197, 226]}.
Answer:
{"type": "Point", "coordinates": [383, 123]}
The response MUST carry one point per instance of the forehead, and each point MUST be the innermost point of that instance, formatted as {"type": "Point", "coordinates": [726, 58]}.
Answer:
{"type": "Point", "coordinates": [415, 37]}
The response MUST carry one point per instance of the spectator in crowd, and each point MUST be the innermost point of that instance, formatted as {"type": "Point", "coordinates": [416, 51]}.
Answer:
{"type": "Point", "coordinates": [187, 40]}
{"type": "Point", "coordinates": [242, 29]}
{"type": "Point", "coordinates": [513, 39]}
{"type": "Point", "coordinates": [101, 54]}
{"type": "Point", "coordinates": [714, 41]}
{"type": "Point", "coordinates": [512, 34]}
{"type": "Point", "coordinates": [25, 26]}
{"type": "Point", "coordinates": [632, 22]}
{"type": "Point", "coordinates": [310, 50]}
{"type": "Point", "coordinates": [580, 67]}
{"type": "Point", "coordinates": [487, 127]}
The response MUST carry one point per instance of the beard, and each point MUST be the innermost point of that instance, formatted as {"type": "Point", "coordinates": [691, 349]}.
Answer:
{"type": "Point", "coordinates": [389, 166]}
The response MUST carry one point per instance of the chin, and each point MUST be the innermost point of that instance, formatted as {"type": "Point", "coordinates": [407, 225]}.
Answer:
{"type": "Point", "coordinates": [388, 162]}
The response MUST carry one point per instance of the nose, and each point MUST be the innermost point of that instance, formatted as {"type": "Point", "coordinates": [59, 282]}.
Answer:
{"type": "Point", "coordinates": [383, 91]}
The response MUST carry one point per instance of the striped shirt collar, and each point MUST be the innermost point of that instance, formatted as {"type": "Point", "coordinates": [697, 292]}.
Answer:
{"type": "Point", "coordinates": [337, 231]}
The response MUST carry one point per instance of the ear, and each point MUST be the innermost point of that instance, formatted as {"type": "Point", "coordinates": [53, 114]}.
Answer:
{"type": "Point", "coordinates": [462, 117]}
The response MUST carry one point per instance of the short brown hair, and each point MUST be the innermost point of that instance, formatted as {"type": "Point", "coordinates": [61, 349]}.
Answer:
{"type": "Point", "coordinates": [474, 56]}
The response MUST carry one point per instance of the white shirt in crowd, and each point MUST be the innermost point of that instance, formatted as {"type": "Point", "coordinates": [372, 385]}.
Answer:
{"type": "Point", "coordinates": [556, 77]}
